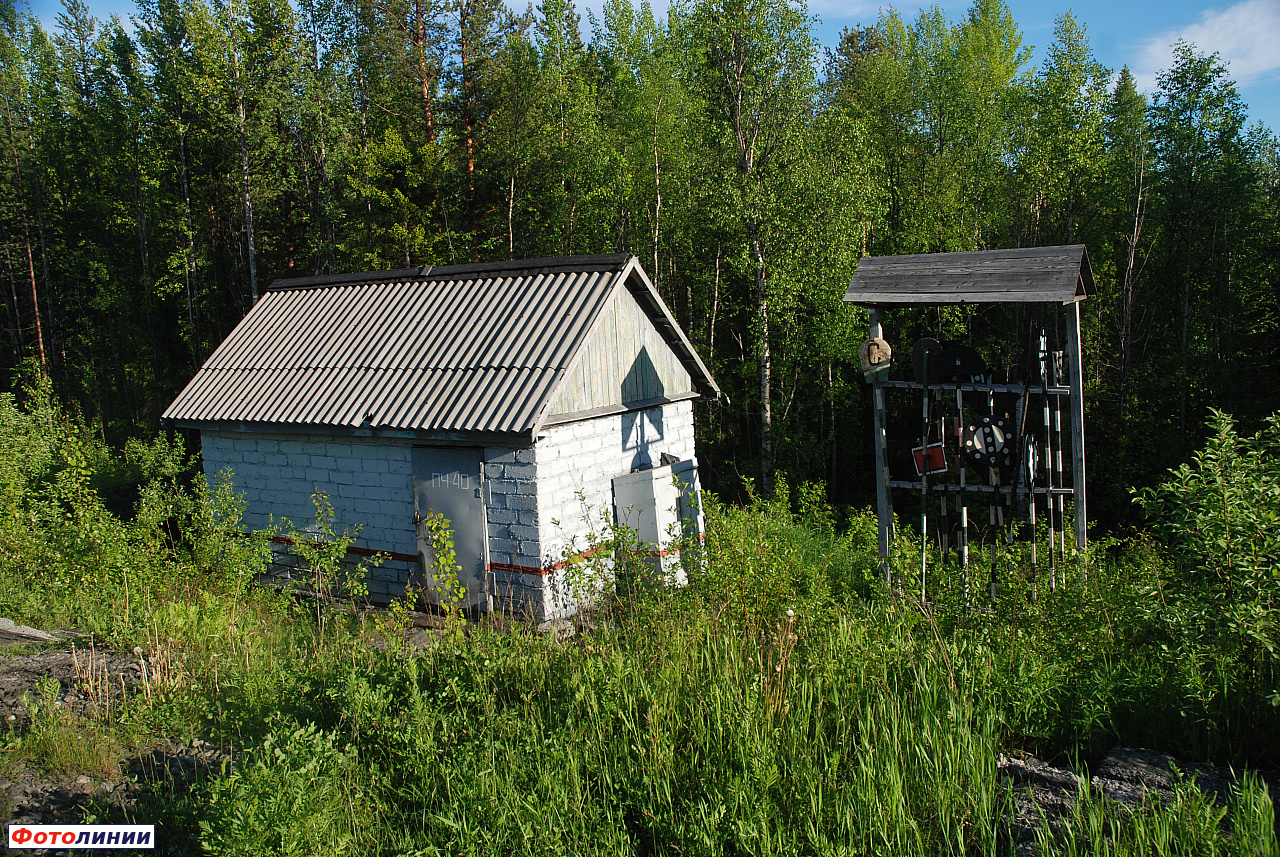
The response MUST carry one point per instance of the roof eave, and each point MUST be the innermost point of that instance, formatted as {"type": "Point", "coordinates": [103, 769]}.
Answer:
{"type": "Point", "coordinates": [859, 294]}
{"type": "Point", "coordinates": [500, 438]}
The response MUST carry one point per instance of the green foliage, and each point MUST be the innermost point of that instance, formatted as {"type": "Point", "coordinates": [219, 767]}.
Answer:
{"type": "Point", "coordinates": [442, 576]}
{"type": "Point", "coordinates": [615, 562]}
{"type": "Point", "coordinates": [1193, 824]}
{"type": "Point", "coordinates": [324, 550]}
{"type": "Point", "coordinates": [66, 559]}
{"type": "Point", "coordinates": [763, 559]}
{"type": "Point", "coordinates": [155, 176]}
{"type": "Point", "coordinates": [298, 793]}
{"type": "Point", "coordinates": [1219, 516]}
{"type": "Point", "coordinates": [780, 703]}
{"type": "Point", "coordinates": [62, 744]}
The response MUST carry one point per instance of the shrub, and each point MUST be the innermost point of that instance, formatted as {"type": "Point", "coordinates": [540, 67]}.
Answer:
{"type": "Point", "coordinates": [298, 793]}
{"type": "Point", "coordinates": [1219, 516]}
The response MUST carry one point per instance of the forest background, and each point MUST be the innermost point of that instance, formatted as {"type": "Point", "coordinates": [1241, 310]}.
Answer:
{"type": "Point", "coordinates": [158, 175]}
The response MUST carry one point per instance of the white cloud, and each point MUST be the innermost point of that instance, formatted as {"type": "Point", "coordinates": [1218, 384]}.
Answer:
{"type": "Point", "coordinates": [1246, 36]}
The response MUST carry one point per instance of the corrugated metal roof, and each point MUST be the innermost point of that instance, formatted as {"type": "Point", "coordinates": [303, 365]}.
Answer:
{"type": "Point", "coordinates": [1024, 275]}
{"type": "Point", "coordinates": [464, 348]}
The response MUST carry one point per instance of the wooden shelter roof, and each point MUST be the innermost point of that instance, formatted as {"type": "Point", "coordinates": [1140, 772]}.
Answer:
{"type": "Point", "coordinates": [1024, 275]}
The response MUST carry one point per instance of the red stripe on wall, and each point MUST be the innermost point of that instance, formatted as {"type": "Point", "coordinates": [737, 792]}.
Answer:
{"type": "Point", "coordinates": [359, 551]}
{"type": "Point", "coordinates": [540, 571]}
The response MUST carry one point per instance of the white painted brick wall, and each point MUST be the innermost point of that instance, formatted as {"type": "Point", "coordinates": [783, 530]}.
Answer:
{"type": "Point", "coordinates": [511, 476]}
{"type": "Point", "coordinates": [369, 482]}
{"type": "Point", "coordinates": [543, 502]}
{"type": "Point", "coordinates": [576, 466]}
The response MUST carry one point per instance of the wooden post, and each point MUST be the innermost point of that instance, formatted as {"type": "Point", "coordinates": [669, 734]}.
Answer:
{"type": "Point", "coordinates": [884, 513]}
{"type": "Point", "coordinates": [1075, 370]}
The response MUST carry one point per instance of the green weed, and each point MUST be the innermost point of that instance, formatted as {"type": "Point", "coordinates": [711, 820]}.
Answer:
{"type": "Point", "coordinates": [61, 743]}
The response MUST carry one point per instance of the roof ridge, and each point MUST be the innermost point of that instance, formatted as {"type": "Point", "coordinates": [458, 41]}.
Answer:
{"type": "Point", "coordinates": [603, 262]}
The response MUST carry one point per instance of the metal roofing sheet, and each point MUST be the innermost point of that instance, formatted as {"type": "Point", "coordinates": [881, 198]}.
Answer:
{"type": "Point", "coordinates": [463, 348]}
{"type": "Point", "coordinates": [1027, 274]}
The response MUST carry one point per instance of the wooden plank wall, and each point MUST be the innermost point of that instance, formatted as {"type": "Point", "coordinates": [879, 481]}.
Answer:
{"type": "Point", "coordinates": [626, 360]}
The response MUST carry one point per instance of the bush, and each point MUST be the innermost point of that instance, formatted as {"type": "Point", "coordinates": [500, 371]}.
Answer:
{"type": "Point", "coordinates": [299, 793]}
{"type": "Point", "coordinates": [764, 558]}
{"type": "Point", "coordinates": [1219, 518]}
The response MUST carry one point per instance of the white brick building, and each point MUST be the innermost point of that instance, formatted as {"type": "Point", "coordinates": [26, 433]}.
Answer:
{"type": "Point", "coordinates": [524, 400]}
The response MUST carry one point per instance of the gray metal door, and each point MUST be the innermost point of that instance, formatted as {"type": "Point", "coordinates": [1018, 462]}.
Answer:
{"type": "Point", "coordinates": [449, 481]}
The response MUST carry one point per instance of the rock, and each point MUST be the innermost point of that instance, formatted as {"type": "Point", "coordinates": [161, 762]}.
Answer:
{"type": "Point", "coordinates": [1128, 776]}
{"type": "Point", "coordinates": [82, 780]}
{"type": "Point", "coordinates": [1043, 794]}
{"type": "Point", "coordinates": [9, 629]}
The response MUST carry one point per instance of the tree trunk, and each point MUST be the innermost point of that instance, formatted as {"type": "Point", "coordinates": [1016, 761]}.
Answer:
{"type": "Point", "coordinates": [1126, 299]}
{"type": "Point", "coordinates": [715, 306]}
{"type": "Point", "coordinates": [144, 264]}
{"type": "Point", "coordinates": [657, 190]}
{"type": "Point", "coordinates": [468, 121]}
{"type": "Point", "coordinates": [322, 161]}
{"type": "Point", "coordinates": [364, 160]}
{"type": "Point", "coordinates": [244, 184]}
{"type": "Point", "coordinates": [51, 301]}
{"type": "Point", "coordinates": [51, 298]}
{"type": "Point", "coordinates": [426, 80]}
{"type": "Point", "coordinates": [189, 269]}
{"type": "Point", "coordinates": [831, 407]}
{"type": "Point", "coordinates": [511, 204]}
{"type": "Point", "coordinates": [26, 232]}
{"type": "Point", "coordinates": [11, 310]}
{"type": "Point", "coordinates": [1186, 324]}
{"type": "Point", "coordinates": [766, 363]}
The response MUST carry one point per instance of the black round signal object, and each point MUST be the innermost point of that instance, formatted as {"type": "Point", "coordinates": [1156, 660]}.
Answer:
{"type": "Point", "coordinates": [987, 441]}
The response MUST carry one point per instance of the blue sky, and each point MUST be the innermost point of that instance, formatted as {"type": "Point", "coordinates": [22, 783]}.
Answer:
{"type": "Point", "coordinates": [1137, 33]}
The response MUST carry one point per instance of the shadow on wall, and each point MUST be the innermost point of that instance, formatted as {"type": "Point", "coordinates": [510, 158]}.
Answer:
{"type": "Point", "coordinates": [641, 429]}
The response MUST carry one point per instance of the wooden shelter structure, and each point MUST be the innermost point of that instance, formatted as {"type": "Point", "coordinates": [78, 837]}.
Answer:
{"type": "Point", "coordinates": [1059, 277]}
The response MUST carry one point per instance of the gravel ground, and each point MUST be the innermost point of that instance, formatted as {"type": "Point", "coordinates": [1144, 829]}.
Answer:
{"type": "Point", "coordinates": [90, 680]}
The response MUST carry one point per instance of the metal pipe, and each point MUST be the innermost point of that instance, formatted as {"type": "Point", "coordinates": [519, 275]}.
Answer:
{"type": "Point", "coordinates": [944, 521]}
{"type": "Point", "coordinates": [964, 505]}
{"type": "Point", "coordinates": [1031, 519]}
{"type": "Point", "coordinates": [1059, 517]}
{"type": "Point", "coordinates": [1048, 465]}
{"type": "Point", "coordinates": [924, 477]}
{"type": "Point", "coordinates": [991, 478]}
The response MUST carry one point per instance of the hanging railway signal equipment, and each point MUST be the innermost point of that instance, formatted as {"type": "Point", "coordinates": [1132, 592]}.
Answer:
{"type": "Point", "coordinates": [962, 404]}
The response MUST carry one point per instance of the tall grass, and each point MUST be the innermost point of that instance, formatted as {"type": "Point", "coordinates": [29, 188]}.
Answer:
{"type": "Point", "coordinates": [782, 703]}
{"type": "Point", "coordinates": [842, 738]}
